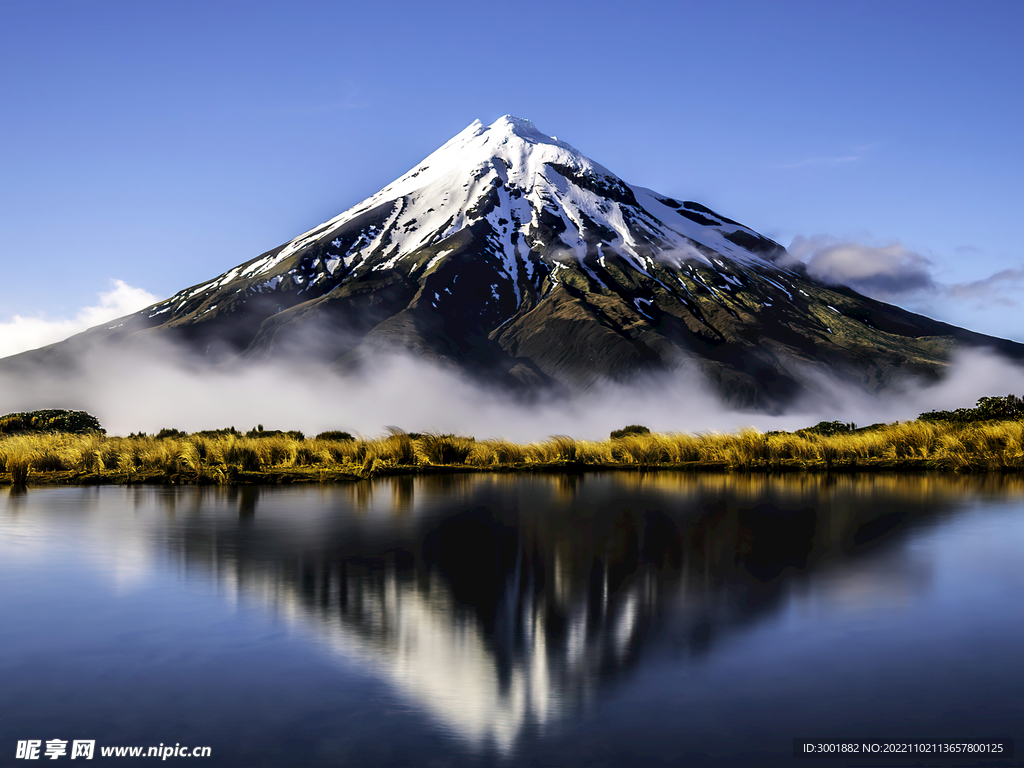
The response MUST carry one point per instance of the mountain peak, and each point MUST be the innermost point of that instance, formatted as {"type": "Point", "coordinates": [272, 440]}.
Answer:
{"type": "Point", "coordinates": [522, 122]}
{"type": "Point", "coordinates": [510, 126]}
{"type": "Point", "coordinates": [505, 137]}
{"type": "Point", "coordinates": [542, 199]}
{"type": "Point", "coordinates": [514, 140]}
{"type": "Point", "coordinates": [518, 126]}
{"type": "Point", "coordinates": [510, 254]}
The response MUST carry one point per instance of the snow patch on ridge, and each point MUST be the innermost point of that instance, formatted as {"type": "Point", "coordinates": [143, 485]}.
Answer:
{"type": "Point", "coordinates": [511, 177]}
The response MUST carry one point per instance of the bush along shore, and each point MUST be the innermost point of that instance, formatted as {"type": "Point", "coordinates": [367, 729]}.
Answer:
{"type": "Point", "coordinates": [966, 440]}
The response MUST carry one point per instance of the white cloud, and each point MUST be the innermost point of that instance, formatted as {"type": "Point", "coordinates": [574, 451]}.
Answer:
{"type": "Point", "coordinates": [21, 333]}
{"type": "Point", "coordinates": [989, 288]}
{"type": "Point", "coordinates": [893, 272]}
{"type": "Point", "coordinates": [884, 272]}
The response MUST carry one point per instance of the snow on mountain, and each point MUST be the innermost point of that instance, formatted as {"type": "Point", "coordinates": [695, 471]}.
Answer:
{"type": "Point", "coordinates": [512, 256]}
{"type": "Point", "coordinates": [435, 200]}
{"type": "Point", "coordinates": [532, 176]}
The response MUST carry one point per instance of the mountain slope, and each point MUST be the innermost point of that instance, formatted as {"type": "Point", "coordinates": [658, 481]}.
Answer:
{"type": "Point", "coordinates": [509, 254]}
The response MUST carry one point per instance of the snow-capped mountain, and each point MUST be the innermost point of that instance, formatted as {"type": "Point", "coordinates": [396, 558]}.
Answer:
{"type": "Point", "coordinates": [513, 256]}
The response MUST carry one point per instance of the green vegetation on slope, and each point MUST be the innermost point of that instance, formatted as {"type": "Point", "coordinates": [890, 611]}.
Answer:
{"type": "Point", "coordinates": [1005, 408]}
{"type": "Point", "coordinates": [52, 420]}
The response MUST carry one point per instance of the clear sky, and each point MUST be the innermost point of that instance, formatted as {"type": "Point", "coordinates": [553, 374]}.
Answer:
{"type": "Point", "coordinates": [159, 144]}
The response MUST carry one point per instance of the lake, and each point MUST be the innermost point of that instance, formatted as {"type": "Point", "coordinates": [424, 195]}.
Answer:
{"type": "Point", "coordinates": [618, 619]}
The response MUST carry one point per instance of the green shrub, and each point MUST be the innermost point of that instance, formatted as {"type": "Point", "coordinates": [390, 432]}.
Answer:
{"type": "Point", "coordinates": [632, 429]}
{"type": "Point", "coordinates": [336, 435]}
{"type": "Point", "coordinates": [827, 428]}
{"type": "Point", "coordinates": [260, 432]}
{"type": "Point", "coordinates": [50, 420]}
{"type": "Point", "coordinates": [1006, 408]}
{"type": "Point", "coordinates": [213, 432]}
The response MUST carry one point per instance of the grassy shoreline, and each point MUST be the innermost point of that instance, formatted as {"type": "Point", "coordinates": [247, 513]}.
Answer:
{"type": "Point", "coordinates": [290, 476]}
{"type": "Point", "coordinates": [229, 458]}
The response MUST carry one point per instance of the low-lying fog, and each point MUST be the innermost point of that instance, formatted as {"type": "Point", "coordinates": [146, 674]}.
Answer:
{"type": "Point", "coordinates": [130, 393]}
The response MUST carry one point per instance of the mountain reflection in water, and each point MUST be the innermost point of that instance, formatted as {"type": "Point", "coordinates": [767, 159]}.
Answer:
{"type": "Point", "coordinates": [500, 604]}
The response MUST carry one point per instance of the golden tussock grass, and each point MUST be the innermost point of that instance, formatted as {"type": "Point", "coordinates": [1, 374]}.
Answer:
{"type": "Point", "coordinates": [228, 458]}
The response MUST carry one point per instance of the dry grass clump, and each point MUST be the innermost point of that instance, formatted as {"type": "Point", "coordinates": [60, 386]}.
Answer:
{"type": "Point", "coordinates": [397, 449]}
{"type": "Point", "coordinates": [435, 448]}
{"type": "Point", "coordinates": [593, 452]}
{"type": "Point", "coordinates": [246, 454]}
{"type": "Point", "coordinates": [557, 448]}
{"type": "Point", "coordinates": [497, 452]}
{"type": "Point", "coordinates": [19, 465]}
{"type": "Point", "coordinates": [979, 447]}
{"type": "Point", "coordinates": [639, 449]}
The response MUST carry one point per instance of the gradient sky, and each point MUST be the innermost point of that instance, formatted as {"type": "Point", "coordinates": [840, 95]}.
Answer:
{"type": "Point", "coordinates": [160, 144]}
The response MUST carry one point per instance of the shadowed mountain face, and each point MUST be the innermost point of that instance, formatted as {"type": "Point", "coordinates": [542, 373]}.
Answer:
{"type": "Point", "coordinates": [508, 254]}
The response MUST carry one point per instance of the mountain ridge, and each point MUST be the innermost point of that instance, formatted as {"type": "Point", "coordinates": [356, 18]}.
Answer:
{"type": "Point", "coordinates": [510, 255]}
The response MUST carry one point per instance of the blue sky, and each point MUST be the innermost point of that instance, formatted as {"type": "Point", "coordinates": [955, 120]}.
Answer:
{"type": "Point", "coordinates": [159, 144]}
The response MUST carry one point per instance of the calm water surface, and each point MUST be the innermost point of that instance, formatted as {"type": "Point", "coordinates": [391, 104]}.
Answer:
{"type": "Point", "coordinates": [613, 619]}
